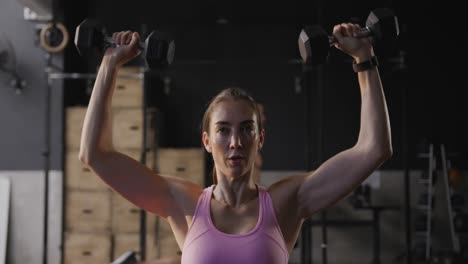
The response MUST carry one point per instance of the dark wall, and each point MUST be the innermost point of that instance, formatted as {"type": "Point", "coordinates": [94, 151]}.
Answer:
{"type": "Point", "coordinates": [22, 140]}
{"type": "Point", "coordinates": [257, 50]}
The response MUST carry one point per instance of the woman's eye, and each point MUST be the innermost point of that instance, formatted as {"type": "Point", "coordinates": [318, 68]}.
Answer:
{"type": "Point", "coordinates": [222, 130]}
{"type": "Point", "coordinates": [248, 128]}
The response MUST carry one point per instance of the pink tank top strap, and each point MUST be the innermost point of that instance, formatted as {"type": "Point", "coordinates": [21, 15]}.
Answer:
{"type": "Point", "coordinates": [202, 206]}
{"type": "Point", "coordinates": [207, 194]}
{"type": "Point", "coordinates": [271, 221]}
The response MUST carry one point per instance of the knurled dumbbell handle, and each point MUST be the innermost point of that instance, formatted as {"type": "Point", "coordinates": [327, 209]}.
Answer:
{"type": "Point", "coordinates": [362, 33]}
{"type": "Point", "coordinates": [110, 43]}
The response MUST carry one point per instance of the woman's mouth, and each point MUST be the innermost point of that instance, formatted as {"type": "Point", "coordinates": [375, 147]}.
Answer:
{"type": "Point", "coordinates": [235, 160]}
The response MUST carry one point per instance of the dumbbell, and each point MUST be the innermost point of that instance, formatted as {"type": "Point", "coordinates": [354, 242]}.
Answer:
{"type": "Point", "coordinates": [157, 50]}
{"type": "Point", "coordinates": [314, 42]}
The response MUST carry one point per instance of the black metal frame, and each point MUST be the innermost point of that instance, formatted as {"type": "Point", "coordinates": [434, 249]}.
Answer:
{"type": "Point", "coordinates": [46, 155]}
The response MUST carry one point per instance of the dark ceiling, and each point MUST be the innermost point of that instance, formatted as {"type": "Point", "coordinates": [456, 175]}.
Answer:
{"type": "Point", "coordinates": [238, 12]}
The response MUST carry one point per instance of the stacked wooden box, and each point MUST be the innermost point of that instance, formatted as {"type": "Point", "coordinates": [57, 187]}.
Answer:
{"type": "Point", "coordinates": [100, 224]}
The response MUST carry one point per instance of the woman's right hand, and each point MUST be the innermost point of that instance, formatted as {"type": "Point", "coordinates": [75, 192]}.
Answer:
{"type": "Point", "coordinates": [358, 48]}
{"type": "Point", "coordinates": [127, 47]}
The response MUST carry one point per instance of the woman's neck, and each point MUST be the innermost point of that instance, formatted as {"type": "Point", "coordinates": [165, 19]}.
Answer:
{"type": "Point", "coordinates": [235, 193]}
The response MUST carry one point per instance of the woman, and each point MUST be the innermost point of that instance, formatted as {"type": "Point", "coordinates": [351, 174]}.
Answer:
{"type": "Point", "coordinates": [235, 220]}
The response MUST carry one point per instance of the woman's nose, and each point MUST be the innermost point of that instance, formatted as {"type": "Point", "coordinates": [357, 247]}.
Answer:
{"type": "Point", "coordinates": [235, 141]}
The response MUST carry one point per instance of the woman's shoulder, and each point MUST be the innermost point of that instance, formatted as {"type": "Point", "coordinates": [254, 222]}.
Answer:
{"type": "Point", "coordinates": [283, 193]}
{"type": "Point", "coordinates": [285, 187]}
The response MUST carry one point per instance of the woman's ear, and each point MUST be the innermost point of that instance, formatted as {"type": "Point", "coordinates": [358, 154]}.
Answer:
{"type": "Point", "coordinates": [206, 141]}
{"type": "Point", "coordinates": [262, 139]}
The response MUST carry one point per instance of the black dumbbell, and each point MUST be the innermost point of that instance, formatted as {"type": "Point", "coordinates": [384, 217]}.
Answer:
{"type": "Point", "coordinates": [157, 50]}
{"type": "Point", "coordinates": [314, 42]}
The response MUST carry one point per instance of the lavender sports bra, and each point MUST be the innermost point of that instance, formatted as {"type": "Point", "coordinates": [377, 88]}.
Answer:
{"type": "Point", "coordinates": [205, 244]}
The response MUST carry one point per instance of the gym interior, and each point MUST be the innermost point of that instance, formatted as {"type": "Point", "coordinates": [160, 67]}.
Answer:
{"type": "Point", "coordinates": [53, 209]}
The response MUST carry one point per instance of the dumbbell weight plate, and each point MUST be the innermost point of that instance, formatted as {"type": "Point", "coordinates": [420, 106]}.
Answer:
{"type": "Point", "coordinates": [159, 52]}
{"type": "Point", "coordinates": [385, 29]}
{"type": "Point", "coordinates": [89, 39]}
{"type": "Point", "coordinates": [313, 45]}
{"type": "Point", "coordinates": [384, 24]}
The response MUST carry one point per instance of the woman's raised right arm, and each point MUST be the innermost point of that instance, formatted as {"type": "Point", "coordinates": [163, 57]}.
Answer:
{"type": "Point", "coordinates": [163, 195]}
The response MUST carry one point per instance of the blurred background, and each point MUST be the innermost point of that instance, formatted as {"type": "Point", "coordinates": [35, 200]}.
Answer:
{"type": "Point", "coordinates": [54, 211]}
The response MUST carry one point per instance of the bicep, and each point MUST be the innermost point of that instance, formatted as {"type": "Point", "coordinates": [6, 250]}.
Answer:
{"type": "Point", "coordinates": [336, 178]}
{"type": "Point", "coordinates": [138, 184]}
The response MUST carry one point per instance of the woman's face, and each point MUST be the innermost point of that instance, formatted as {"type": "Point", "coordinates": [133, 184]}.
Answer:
{"type": "Point", "coordinates": [233, 137]}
